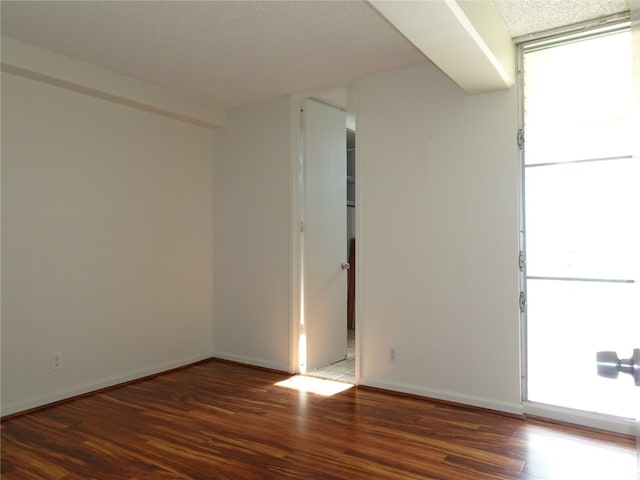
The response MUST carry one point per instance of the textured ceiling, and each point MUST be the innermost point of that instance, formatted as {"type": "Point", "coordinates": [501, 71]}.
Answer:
{"type": "Point", "coordinates": [529, 16]}
{"type": "Point", "coordinates": [228, 53]}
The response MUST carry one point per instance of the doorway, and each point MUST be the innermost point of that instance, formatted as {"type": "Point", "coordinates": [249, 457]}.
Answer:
{"type": "Point", "coordinates": [327, 330]}
{"type": "Point", "coordinates": [581, 225]}
{"type": "Point", "coordinates": [344, 370]}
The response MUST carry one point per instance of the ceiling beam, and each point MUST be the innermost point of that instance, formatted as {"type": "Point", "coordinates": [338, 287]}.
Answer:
{"type": "Point", "coordinates": [35, 63]}
{"type": "Point", "coordinates": [467, 40]}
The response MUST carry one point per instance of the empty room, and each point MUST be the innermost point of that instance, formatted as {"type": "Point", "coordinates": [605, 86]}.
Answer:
{"type": "Point", "coordinates": [320, 239]}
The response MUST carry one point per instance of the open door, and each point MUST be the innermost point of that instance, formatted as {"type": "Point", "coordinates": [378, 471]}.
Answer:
{"type": "Point", "coordinates": [324, 234]}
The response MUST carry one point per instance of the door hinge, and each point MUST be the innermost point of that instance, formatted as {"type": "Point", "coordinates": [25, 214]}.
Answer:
{"type": "Point", "coordinates": [523, 302]}
{"type": "Point", "coordinates": [302, 226]}
{"type": "Point", "coordinates": [521, 261]}
{"type": "Point", "coordinates": [520, 139]}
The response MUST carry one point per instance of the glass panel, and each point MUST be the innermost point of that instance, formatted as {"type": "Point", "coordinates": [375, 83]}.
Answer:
{"type": "Point", "coordinates": [578, 100]}
{"type": "Point", "coordinates": [568, 323]}
{"type": "Point", "coordinates": [582, 220]}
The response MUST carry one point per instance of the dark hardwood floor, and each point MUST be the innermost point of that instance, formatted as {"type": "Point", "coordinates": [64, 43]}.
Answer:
{"type": "Point", "coordinates": [217, 420]}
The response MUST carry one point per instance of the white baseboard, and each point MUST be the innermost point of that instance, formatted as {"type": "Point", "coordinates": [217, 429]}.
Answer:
{"type": "Point", "coordinates": [52, 397]}
{"type": "Point", "coordinates": [626, 426]}
{"type": "Point", "coordinates": [256, 362]}
{"type": "Point", "coordinates": [512, 408]}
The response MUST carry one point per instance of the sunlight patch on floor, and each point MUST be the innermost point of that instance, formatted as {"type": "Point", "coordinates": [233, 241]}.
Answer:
{"type": "Point", "coordinates": [319, 386]}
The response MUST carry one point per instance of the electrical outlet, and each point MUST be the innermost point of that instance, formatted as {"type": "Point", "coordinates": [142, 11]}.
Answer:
{"type": "Point", "coordinates": [393, 354]}
{"type": "Point", "coordinates": [56, 361]}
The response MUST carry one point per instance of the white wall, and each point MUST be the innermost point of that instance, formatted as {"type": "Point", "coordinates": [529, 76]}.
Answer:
{"type": "Point", "coordinates": [106, 243]}
{"type": "Point", "coordinates": [438, 232]}
{"type": "Point", "coordinates": [438, 219]}
{"type": "Point", "coordinates": [107, 234]}
{"type": "Point", "coordinates": [252, 236]}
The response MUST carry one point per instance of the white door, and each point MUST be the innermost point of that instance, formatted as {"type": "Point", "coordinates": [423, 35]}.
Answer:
{"type": "Point", "coordinates": [324, 235]}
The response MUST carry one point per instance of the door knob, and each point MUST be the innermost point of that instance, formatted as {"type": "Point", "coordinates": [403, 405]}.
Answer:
{"type": "Point", "coordinates": [346, 265]}
{"type": "Point", "coordinates": [609, 365]}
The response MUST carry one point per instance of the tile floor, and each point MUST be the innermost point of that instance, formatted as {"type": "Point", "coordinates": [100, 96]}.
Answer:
{"type": "Point", "coordinates": [344, 370]}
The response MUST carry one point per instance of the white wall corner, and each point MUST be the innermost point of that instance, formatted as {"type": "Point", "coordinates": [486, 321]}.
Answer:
{"type": "Point", "coordinates": [467, 40]}
{"type": "Point", "coordinates": [42, 65]}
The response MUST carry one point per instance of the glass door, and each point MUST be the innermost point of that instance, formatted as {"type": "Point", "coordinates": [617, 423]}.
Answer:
{"type": "Point", "coordinates": [582, 220]}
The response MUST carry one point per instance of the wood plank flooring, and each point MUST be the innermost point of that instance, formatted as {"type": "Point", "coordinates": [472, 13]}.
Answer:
{"type": "Point", "coordinates": [217, 420]}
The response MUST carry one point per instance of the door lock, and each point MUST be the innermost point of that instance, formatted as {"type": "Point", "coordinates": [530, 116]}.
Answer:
{"type": "Point", "coordinates": [609, 365]}
{"type": "Point", "coordinates": [346, 265]}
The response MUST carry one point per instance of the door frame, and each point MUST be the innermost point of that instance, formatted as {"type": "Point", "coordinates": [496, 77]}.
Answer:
{"type": "Point", "coordinates": [296, 203]}
{"type": "Point", "coordinates": [295, 240]}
